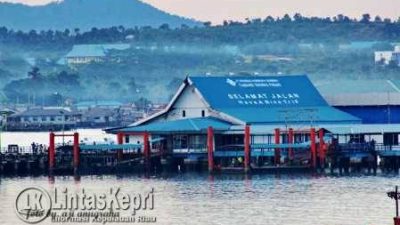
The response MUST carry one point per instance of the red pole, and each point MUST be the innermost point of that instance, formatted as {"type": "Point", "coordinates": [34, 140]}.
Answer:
{"type": "Point", "coordinates": [247, 148]}
{"type": "Point", "coordinates": [277, 150]}
{"type": "Point", "coordinates": [120, 140]}
{"type": "Point", "coordinates": [291, 141]}
{"type": "Point", "coordinates": [146, 146]}
{"type": "Point", "coordinates": [210, 148]}
{"type": "Point", "coordinates": [52, 150]}
{"type": "Point", "coordinates": [313, 148]}
{"type": "Point", "coordinates": [321, 148]}
{"type": "Point", "coordinates": [76, 150]}
{"type": "Point", "coordinates": [397, 221]}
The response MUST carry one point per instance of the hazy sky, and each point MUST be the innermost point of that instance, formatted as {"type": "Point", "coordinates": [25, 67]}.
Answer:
{"type": "Point", "coordinates": [219, 10]}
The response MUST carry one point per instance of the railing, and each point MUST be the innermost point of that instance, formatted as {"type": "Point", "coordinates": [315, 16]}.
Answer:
{"type": "Point", "coordinates": [381, 147]}
{"type": "Point", "coordinates": [355, 147]}
{"type": "Point", "coordinates": [23, 150]}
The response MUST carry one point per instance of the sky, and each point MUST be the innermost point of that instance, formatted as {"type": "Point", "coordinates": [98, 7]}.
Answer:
{"type": "Point", "coordinates": [217, 11]}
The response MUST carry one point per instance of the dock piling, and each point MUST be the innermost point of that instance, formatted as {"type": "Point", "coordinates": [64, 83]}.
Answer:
{"type": "Point", "coordinates": [321, 147]}
{"type": "Point", "coordinates": [291, 141]}
{"type": "Point", "coordinates": [247, 148]}
{"type": "Point", "coordinates": [277, 150]}
{"type": "Point", "coordinates": [120, 140]}
{"type": "Point", "coordinates": [313, 149]}
{"type": "Point", "coordinates": [210, 148]}
{"type": "Point", "coordinates": [52, 149]}
{"type": "Point", "coordinates": [76, 152]}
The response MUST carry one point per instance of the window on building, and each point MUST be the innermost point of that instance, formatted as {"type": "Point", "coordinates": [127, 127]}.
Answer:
{"type": "Point", "coordinates": [52, 118]}
{"type": "Point", "coordinates": [203, 113]}
{"type": "Point", "coordinates": [183, 113]}
{"type": "Point", "coordinates": [198, 142]}
{"type": "Point", "coordinates": [126, 138]}
{"type": "Point", "coordinates": [180, 142]}
{"type": "Point", "coordinates": [390, 139]}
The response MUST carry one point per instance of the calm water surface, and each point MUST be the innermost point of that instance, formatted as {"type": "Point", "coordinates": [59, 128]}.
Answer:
{"type": "Point", "coordinates": [229, 199]}
{"type": "Point", "coordinates": [237, 199]}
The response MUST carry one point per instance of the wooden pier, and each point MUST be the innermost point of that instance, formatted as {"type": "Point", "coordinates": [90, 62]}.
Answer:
{"type": "Point", "coordinates": [291, 151]}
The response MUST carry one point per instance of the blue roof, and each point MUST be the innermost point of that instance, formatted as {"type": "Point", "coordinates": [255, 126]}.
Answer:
{"type": "Point", "coordinates": [263, 99]}
{"type": "Point", "coordinates": [98, 103]}
{"type": "Point", "coordinates": [361, 44]}
{"type": "Point", "coordinates": [183, 125]}
{"type": "Point", "coordinates": [258, 91]}
{"type": "Point", "coordinates": [311, 115]}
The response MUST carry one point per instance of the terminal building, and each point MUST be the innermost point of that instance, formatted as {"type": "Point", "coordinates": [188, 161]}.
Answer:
{"type": "Point", "coordinates": [268, 106]}
{"type": "Point", "coordinates": [373, 101]}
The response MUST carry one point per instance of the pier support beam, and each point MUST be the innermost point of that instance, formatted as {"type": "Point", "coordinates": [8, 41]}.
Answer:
{"type": "Point", "coordinates": [321, 148]}
{"type": "Point", "coordinates": [397, 221]}
{"type": "Point", "coordinates": [210, 148]}
{"type": "Point", "coordinates": [277, 150]}
{"type": "Point", "coordinates": [291, 141]}
{"type": "Point", "coordinates": [247, 148]}
{"type": "Point", "coordinates": [120, 140]}
{"type": "Point", "coordinates": [76, 151]}
{"type": "Point", "coordinates": [52, 151]}
{"type": "Point", "coordinates": [313, 148]}
{"type": "Point", "coordinates": [146, 148]}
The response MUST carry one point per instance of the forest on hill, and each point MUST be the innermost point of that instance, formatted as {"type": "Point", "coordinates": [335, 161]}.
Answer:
{"type": "Point", "coordinates": [160, 57]}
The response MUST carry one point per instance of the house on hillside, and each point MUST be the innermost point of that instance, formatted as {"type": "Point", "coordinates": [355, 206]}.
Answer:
{"type": "Point", "coordinates": [386, 57]}
{"type": "Point", "coordinates": [383, 57]}
{"type": "Point", "coordinates": [91, 53]}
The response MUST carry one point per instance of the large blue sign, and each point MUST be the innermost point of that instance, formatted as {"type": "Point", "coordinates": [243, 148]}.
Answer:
{"type": "Point", "coordinates": [258, 91]}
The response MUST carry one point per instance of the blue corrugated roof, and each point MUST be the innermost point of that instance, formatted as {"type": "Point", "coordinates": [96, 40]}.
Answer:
{"type": "Point", "coordinates": [269, 99]}
{"type": "Point", "coordinates": [258, 91]}
{"type": "Point", "coordinates": [183, 125]}
{"type": "Point", "coordinates": [310, 115]}
{"type": "Point", "coordinates": [98, 103]}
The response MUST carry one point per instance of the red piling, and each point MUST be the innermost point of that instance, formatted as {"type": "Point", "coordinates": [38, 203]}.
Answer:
{"type": "Point", "coordinates": [247, 148]}
{"type": "Point", "coordinates": [396, 221]}
{"type": "Point", "coordinates": [277, 150]}
{"type": "Point", "coordinates": [146, 146]}
{"type": "Point", "coordinates": [313, 148]}
{"type": "Point", "coordinates": [76, 150]}
{"type": "Point", "coordinates": [120, 140]}
{"type": "Point", "coordinates": [210, 148]}
{"type": "Point", "coordinates": [291, 141]}
{"type": "Point", "coordinates": [321, 148]}
{"type": "Point", "coordinates": [52, 151]}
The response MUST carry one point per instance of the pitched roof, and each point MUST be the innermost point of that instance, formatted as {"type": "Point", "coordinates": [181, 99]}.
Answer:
{"type": "Point", "coordinates": [269, 99]}
{"type": "Point", "coordinates": [45, 112]}
{"type": "Point", "coordinates": [302, 115]}
{"type": "Point", "coordinates": [361, 92]}
{"type": "Point", "coordinates": [262, 99]}
{"type": "Point", "coordinates": [182, 125]}
{"type": "Point", "coordinates": [258, 91]}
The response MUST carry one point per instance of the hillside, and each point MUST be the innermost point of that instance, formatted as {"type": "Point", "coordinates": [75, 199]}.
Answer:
{"type": "Point", "coordinates": [86, 14]}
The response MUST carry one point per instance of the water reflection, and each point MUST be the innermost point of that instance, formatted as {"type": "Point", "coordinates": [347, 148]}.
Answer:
{"type": "Point", "coordinates": [196, 198]}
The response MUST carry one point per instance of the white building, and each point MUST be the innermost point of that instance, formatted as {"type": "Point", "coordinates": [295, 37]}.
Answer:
{"type": "Point", "coordinates": [383, 56]}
